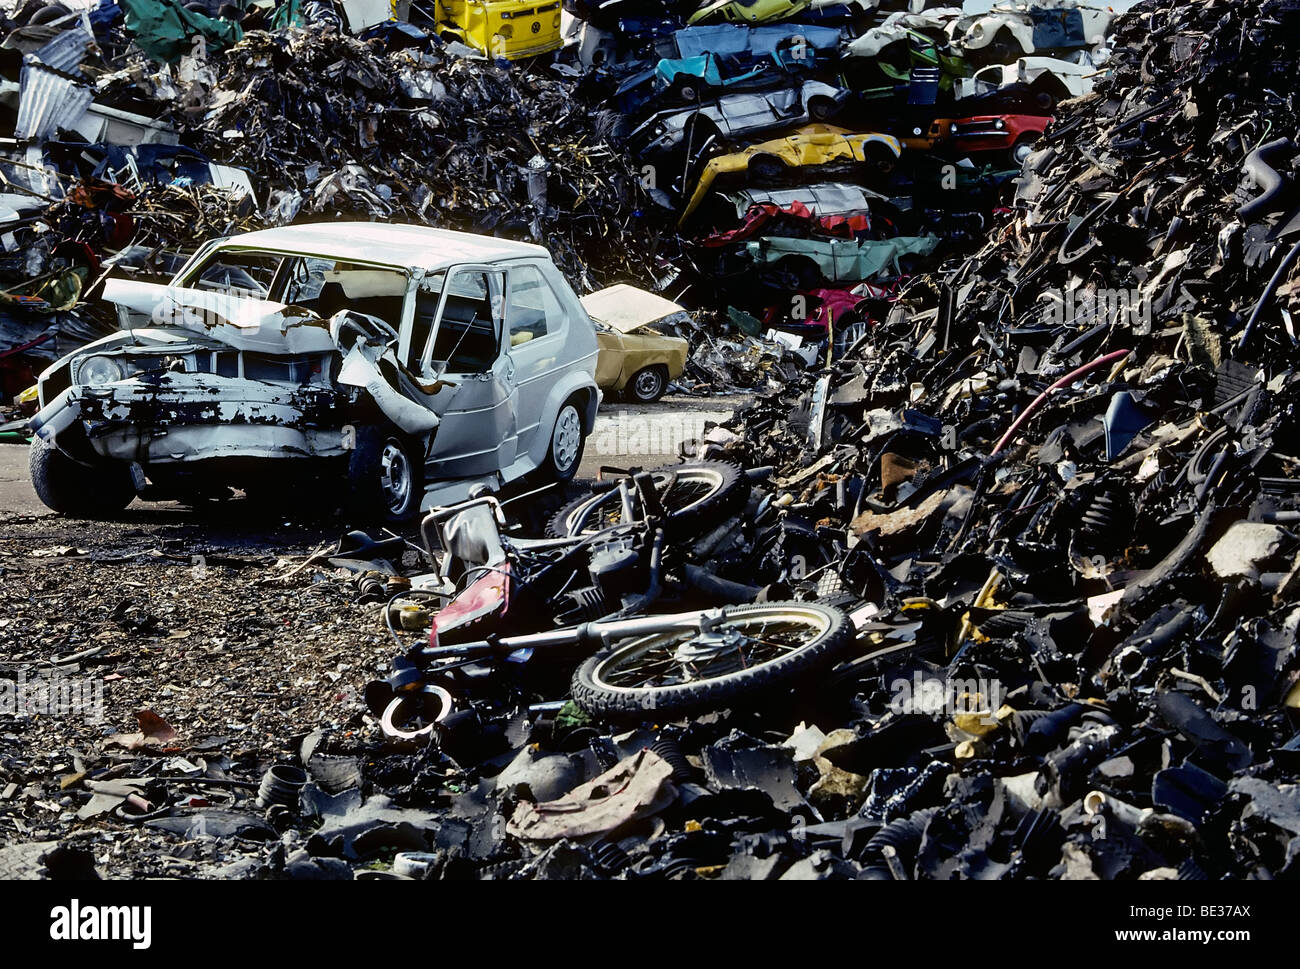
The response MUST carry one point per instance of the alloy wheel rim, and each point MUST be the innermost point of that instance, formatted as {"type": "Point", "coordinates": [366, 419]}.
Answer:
{"type": "Point", "coordinates": [564, 443]}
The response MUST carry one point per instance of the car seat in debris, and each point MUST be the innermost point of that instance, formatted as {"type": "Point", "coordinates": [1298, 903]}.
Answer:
{"type": "Point", "coordinates": [333, 298]}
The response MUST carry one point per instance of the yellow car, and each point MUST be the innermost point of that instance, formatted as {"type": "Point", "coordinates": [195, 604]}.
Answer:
{"type": "Point", "coordinates": [632, 360]}
{"type": "Point", "coordinates": [502, 28]}
{"type": "Point", "coordinates": [747, 11]}
{"type": "Point", "coordinates": [814, 144]}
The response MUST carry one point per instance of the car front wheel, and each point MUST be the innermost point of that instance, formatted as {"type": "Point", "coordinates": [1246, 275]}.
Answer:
{"type": "Point", "coordinates": [821, 109]}
{"type": "Point", "coordinates": [385, 474]}
{"type": "Point", "coordinates": [1022, 149]}
{"type": "Point", "coordinates": [76, 489]}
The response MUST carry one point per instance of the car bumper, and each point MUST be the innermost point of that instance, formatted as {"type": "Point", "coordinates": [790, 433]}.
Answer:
{"type": "Point", "coordinates": [179, 418]}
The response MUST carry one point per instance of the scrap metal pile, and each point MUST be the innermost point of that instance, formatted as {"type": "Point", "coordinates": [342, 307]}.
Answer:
{"type": "Point", "coordinates": [1069, 464]}
{"type": "Point", "coordinates": [333, 127]}
{"type": "Point", "coordinates": [1053, 493]}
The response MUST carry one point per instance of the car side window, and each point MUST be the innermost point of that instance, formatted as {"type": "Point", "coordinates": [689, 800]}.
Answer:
{"type": "Point", "coordinates": [244, 274]}
{"type": "Point", "coordinates": [534, 309]}
{"type": "Point", "coordinates": [467, 338]}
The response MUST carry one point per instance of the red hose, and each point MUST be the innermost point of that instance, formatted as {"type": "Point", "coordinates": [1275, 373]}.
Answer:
{"type": "Point", "coordinates": [1070, 377]}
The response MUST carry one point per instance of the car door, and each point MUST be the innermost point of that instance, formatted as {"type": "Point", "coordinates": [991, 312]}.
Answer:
{"type": "Point", "coordinates": [746, 112]}
{"type": "Point", "coordinates": [536, 326]}
{"type": "Point", "coordinates": [457, 330]}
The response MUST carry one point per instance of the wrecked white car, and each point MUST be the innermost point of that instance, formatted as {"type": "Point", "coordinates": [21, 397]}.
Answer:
{"type": "Point", "coordinates": [408, 363]}
{"type": "Point", "coordinates": [1057, 78]}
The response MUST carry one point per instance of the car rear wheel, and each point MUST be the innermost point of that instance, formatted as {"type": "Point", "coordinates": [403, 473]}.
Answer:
{"type": "Point", "coordinates": [385, 475]}
{"type": "Point", "coordinates": [648, 384]}
{"type": "Point", "coordinates": [687, 91]}
{"type": "Point", "coordinates": [567, 442]}
{"type": "Point", "coordinates": [821, 109]}
{"type": "Point", "coordinates": [78, 490]}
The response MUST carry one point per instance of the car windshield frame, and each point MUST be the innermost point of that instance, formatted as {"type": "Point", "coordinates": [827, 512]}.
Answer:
{"type": "Point", "coordinates": [188, 274]}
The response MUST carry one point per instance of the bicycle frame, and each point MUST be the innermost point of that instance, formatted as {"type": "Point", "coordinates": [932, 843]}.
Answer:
{"type": "Point", "coordinates": [594, 635]}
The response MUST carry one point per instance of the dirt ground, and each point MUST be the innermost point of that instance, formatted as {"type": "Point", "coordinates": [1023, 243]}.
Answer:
{"type": "Point", "coordinates": [199, 617]}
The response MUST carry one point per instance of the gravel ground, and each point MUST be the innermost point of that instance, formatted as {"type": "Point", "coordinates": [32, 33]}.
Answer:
{"type": "Point", "coordinates": [192, 615]}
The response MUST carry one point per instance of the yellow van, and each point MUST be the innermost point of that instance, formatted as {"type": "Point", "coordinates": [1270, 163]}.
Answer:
{"type": "Point", "coordinates": [503, 28]}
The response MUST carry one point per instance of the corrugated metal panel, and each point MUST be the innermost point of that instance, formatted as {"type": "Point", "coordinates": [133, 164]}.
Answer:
{"type": "Point", "coordinates": [66, 51]}
{"type": "Point", "coordinates": [48, 100]}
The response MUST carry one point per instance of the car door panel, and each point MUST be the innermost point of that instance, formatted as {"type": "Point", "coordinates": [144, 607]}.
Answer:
{"type": "Point", "coordinates": [538, 326]}
{"type": "Point", "coordinates": [477, 399]}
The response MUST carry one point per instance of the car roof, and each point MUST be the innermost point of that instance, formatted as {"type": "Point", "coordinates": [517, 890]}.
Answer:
{"type": "Point", "coordinates": [393, 244]}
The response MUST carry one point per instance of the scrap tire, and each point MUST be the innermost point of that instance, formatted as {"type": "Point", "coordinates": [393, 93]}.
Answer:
{"type": "Point", "coordinates": [635, 704]}
{"type": "Point", "coordinates": [727, 494]}
{"type": "Point", "coordinates": [385, 474]}
{"type": "Point", "coordinates": [76, 489]}
{"type": "Point", "coordinates": [648, 384]}
{"type": "Point", "coordinates": [48, 14]}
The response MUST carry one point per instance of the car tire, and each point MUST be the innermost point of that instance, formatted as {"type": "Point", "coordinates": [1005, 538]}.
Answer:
{"type": "Point", "coordinates": [1021, 150]}
{"type": "Point", "coordinates": [564, 453]}
{"type": "Point", "coordinates": [78, 490]}
{"type": "Point", "coordinates": [648, 384]}
{"type": "Point", "coordinates": [880, 160]}
{"type": "Point", "coordinates": [385, 475]}
{"type": "Point", "coordinates": [687, 92]}
{"type": "Point", "coordinates": [821, 109]}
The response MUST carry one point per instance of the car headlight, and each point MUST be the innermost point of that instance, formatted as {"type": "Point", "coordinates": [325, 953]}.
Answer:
{"type": "Point", "coordinates": [999, 124]}
{"type": "Point", "coordinates": [952, 128]}
{"type": "Point", "coordinates": [95, 371]}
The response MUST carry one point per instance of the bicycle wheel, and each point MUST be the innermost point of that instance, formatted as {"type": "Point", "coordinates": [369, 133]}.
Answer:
{"type": "Point", "coordinates": [748, 651]}
{"type": "Point", "coordinates": [690, 494]}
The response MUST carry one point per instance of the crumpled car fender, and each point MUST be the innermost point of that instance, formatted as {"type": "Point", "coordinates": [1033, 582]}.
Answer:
{"type": "Point", "coordinates": [56, 416]}
{"type": "Point", "coordinates": [360, 369]}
